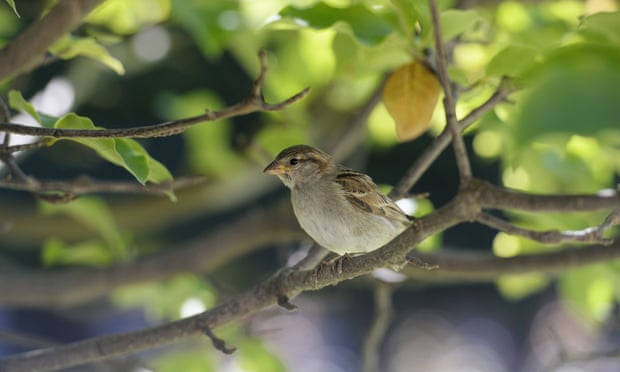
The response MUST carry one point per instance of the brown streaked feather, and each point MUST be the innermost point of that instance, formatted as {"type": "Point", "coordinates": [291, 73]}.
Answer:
{"type": "Point", "coordinates": [363, 193]}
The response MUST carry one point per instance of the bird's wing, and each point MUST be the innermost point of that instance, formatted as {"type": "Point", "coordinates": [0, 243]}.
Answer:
{"type": "Point", "coordinates": [363, 193]}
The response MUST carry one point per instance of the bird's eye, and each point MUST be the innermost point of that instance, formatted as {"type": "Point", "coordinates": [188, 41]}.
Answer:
{"type": "Point", "coordinates": [293, 161]}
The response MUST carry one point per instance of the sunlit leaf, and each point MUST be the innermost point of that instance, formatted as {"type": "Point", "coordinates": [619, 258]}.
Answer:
{"type": "Point", "coordinates": [69, 47]}
{"type": "Point", "coordinates": [90, 253]}
{"type": "Point", "coordinates": [574, 92]}
{"type": "Point", "coordinates": [165, 299]}
{"type": "Point", "coordinates": [93, 214]}
{"type": "Point", "coordinates": [590, 290]}
{"type": "Point", "coordinates": [513, 61]}
{"type": "Point", "coordinates": [12, 5]}
{"type": "Point", "coordinates": [410, 96]}
{"type": "Point", "coordinates": [184, 360]}
{"type": "Point", "coordinates": [17, 102]}
{"type": "Point", "coordinates": [455, 22]}
{"type": "Point", "coordinates": [255, 357]}
{"type": "Point", "coordinates": [367, 27]}
{"type": "Point", "coordinates": [516, 287]}
{"type": "Point", "coordinates": [209, 36]}
{"type": "Point", "coordinates": [416, 15]}
{"type": "Point", "coordinates": [208, 147]}
{"type": "Point", "coordinates": [126, 17]}
{"type": "Point", "coordinates": [602, 27]}
{"type": "Point", "coordinates": [124, 152]}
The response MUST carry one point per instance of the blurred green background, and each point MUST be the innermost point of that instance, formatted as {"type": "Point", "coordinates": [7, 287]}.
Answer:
{"type": "Point", "coordinates": [141, 62]}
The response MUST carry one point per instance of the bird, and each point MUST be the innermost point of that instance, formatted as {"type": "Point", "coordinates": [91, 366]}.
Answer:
{"type": "Point", "coordinates": [341, 209]}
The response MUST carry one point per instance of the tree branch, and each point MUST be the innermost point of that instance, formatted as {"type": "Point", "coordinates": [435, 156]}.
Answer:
{"type": "Point", "coordinates": [28, 49]}
{"type": "Point", "coordinates": [430, 153]}
{"type": "Point", "coordinates": [288, 283]}
{"type": "Point", "coordinates": [85, 185]}
{"type": "Point", "coordinates": [255, 102]}
{"type": "Point", "coordinates": [495, 197]}
{"type": "Point", "coordinates": [378, 327]}
{"type": "Point", "coordinates": [43, 288]}
{"type": "Point", "coordinates": [29, 288]}
{"type": "Point", "coordinates": [460, 152]}
{"type": "Point", "coordinates": [588, 235]}
{"type": "Point", "coordinates": [458, 266]}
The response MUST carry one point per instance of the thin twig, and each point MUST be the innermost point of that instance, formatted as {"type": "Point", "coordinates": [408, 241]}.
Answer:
{"type": "Point", "coordinates": [460, 152]}
{"type": "Point", "coordinates": [276, 225]}
{"type": "Point", "coordinates": [315, 255]}
{"type": "Point", "coordinates": [86, 185]}
{"type": "Point", "coordinates": [430, 153]}
{"type": "Point", "coordinates": [353, 134]}
{"type": "Point", "coordinates": [5, 115]}
{"type": "Point", "coordinates": [217, 342]}
{"type": "Point", "coordinates": [457, 266]}
{"type": "Point", "coordinates": [585, 358]}
{"type": "Point", "coordinates": [419, 263]}
{"type": "Point", "coordinates": [378, 327]}
{"type": "Point", "coordinates": [29, 48]}
{"type": "Point", "coordinates": [23, 147]}
{"type": "Point", "coordinates": [18, 176]}
{"type": "Point", "coordinates": [253, 103]}
{"type": "Point", "coordinates": [505, 88]}
{"type": "Point", "coordinates": [24, 340]}
{"type": "Point", "coordinates": [290, 283]}
{"type": "Point", "coordinates": [284, 302]}
{"type": "Point", "coordinates": [588, 235]}
{"type": "Point", "coordinates": [495, 197]}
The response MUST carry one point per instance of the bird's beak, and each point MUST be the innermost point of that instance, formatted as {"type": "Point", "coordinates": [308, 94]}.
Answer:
{"type": "Point", "coordinates": [276, 168]}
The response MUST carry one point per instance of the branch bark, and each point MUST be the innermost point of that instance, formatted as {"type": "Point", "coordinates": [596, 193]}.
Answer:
{"type": "Point", "coordinates": [430, 153]}
{"type": "Point", "coordinates": [27, 50]}
{"type": "Point", "coordinates": [449, 104]}
{"type": "Point", "coordinates": [253, 103]}
{"type": "Point", "coordinates": [289, 283]}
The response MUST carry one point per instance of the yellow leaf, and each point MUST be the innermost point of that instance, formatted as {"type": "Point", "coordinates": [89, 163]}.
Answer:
{"type": "Point", "coordinates": [410, 96]}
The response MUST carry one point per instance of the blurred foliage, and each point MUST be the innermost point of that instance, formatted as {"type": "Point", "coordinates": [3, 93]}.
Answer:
{"type": "Point", "coordinates": [561, 135]}
{"type": "Point", "coordinates": [12, 5]}
{"type": "Point", "coordinates": [70, 47]}
{"type": "Point", "coordinates": [124, 152]}
{"type": "Point", "coordinates": [172, 299]}
{"type": "Point", "coordinates": [92, 213]}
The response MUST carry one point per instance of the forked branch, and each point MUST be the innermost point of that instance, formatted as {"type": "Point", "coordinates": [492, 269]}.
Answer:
{"type": "Point", "coordinates": [253, 103]}
{"type": "Point", "coordinates": [449, 104]}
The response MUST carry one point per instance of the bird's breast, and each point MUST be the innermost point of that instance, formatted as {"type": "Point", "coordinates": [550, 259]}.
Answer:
{"type": "Point", "coordinates": [332, 222]}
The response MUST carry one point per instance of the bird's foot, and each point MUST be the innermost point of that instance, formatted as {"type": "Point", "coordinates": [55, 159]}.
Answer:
{"type": "Point", "coordinates": [334, 264]}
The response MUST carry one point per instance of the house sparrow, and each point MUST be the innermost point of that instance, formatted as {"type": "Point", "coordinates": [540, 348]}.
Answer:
{"type": "Point", "coordinates": [341, 209]}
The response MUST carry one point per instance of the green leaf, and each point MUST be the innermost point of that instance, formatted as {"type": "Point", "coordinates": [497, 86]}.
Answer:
{"type": "Point", "coordinates": [17, 102]}
{"type": "Point", "coordinates": [602, 27]}
{"type": "Point", "coordinates": [514, 61]}
{"type": "Point", "coordinates": [255, 357]}
{"type": "Point", "coordinates": [165, 299]}
{"type": "Point", "coordinates": [12, 5]}
{"type": "Point", "coordinates": [574, 92]}
{"type": "Point", "coordinates": [517, 287]}
{"type": "Point", "coordinates": [414, 12]}
{"type": "Point", "coordinates": [210, 37]}
{"type": "Point", "coordinates": [590, 290]}
{"type": "Point", "coordinates": [455, 22]}
{"type": "Point", "coordinates": [368, 27]}
{"type": "Point", "coordinates": [69, 47]}
{"type": "Point", "coordinates": [196, 360]}
{"type": "Point", "coordinates": [91, 253]}
{"type": "Point", "coordinates": [208, 146]}
{"type": "Point", "coordinates": [94, 214]}
{"type": "Point", "coordinates": [124, 152]}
